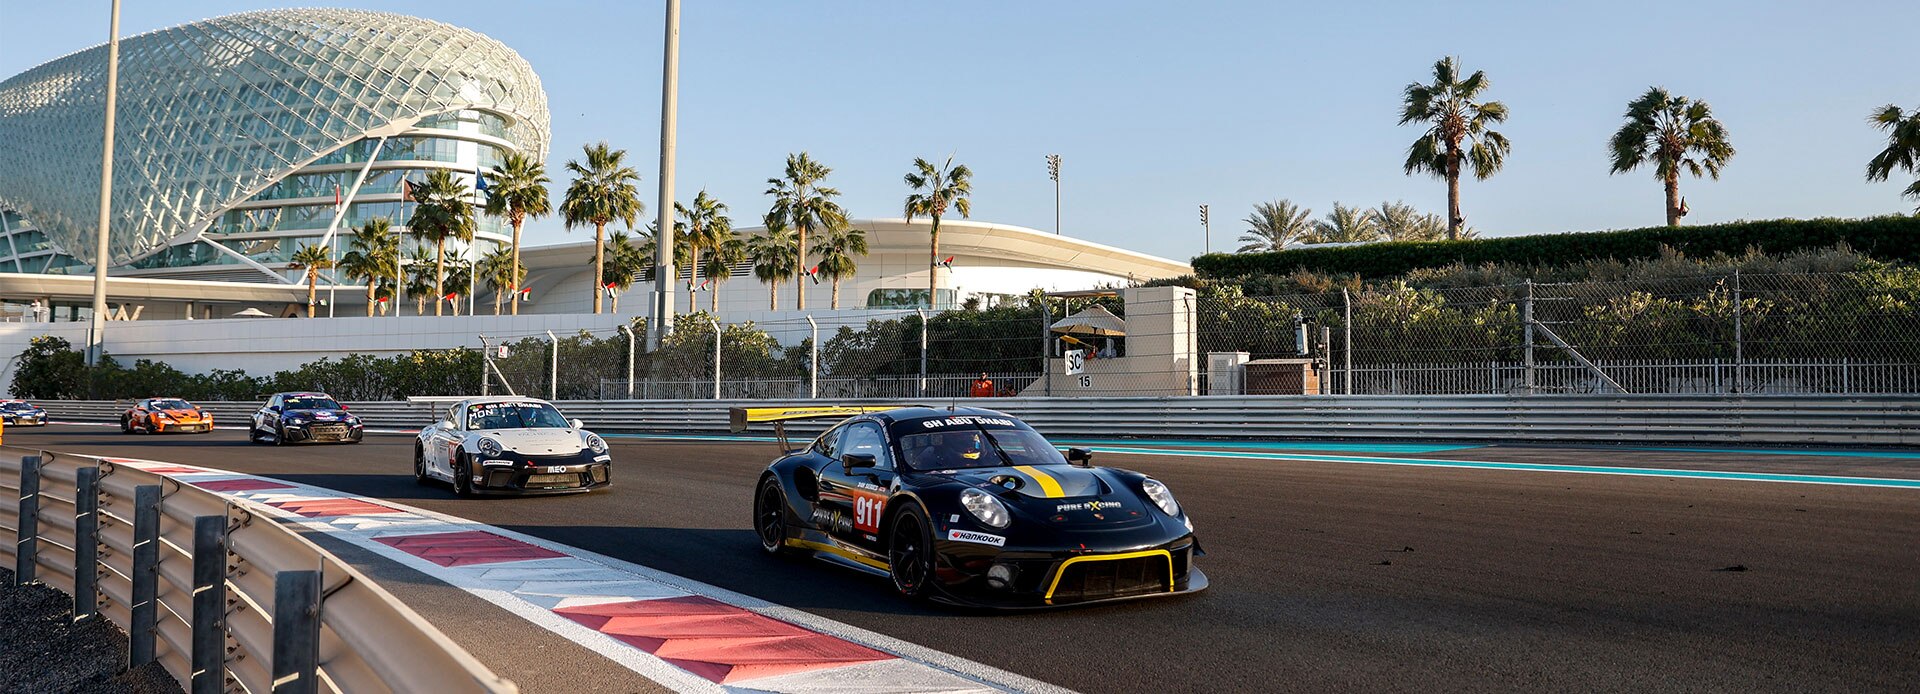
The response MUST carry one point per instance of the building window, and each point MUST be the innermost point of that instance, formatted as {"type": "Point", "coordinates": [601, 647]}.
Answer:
{"type": "Point", "coordinates": [907, 298]}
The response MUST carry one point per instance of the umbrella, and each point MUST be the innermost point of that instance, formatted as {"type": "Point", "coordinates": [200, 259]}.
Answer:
{"type": "Point", "coordinates": [252, 313]}
{"type": "Point", "coordinates": [1093, 321]}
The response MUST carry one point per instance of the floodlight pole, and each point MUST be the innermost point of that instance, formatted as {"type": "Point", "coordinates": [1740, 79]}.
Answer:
{"type": "Point", "coordinates": [664, 274]}
{"type": "Point", "coordinates": [96, 334]}
{"type": "Point", "coordinates": [1053, 171]}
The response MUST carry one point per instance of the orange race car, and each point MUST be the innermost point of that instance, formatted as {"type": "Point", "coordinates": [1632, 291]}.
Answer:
{"type": "Point", "coordinates": [161, 415]}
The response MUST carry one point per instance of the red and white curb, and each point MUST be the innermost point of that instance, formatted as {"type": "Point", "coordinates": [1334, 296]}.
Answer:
{"type": "Point", "coordinates": [684, 634]}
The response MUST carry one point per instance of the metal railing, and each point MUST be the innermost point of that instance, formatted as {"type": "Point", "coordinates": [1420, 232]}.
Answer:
{"type": "Point", "coordinates": [214, 589]}
{"type": "Point", "coordinates": [1881, 420]}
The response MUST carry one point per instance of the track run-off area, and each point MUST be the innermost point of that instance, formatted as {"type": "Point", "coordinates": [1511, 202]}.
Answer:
{"type": "Point", "coordinates": [1333, 565]}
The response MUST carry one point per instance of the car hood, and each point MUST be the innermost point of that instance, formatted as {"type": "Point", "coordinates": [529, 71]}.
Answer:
{"type": "Point", "coordinates": [537, 441]}
{"type": "Point", "coordinates": [180, 413]}
{"type": "Point", "coordinates": [1039, 481]}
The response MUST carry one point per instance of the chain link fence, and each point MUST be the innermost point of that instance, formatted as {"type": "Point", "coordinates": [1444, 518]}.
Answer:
{"type": "Point", "coordinates": [1853, 332]}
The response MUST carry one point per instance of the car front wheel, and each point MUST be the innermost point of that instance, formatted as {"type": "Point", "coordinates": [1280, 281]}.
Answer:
{"type": "Point", "coordinates": [462, 477]}
{"type": "Point", "coordinates": [910, 553]}
{"type": "Point", "coordinates": [419, 466]}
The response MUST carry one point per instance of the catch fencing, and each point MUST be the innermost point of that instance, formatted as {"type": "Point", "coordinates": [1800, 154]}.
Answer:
{"type": "Point", "coordinates": [1801, 333]}
{"type": "Point", "coordinates": [214, 589]}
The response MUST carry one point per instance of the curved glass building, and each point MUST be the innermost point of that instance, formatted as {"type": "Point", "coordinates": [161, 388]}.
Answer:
{"type": "Point", "coordinates": [240, 138]}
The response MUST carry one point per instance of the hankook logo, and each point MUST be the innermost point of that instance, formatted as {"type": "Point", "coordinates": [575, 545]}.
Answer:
{"type": "Point", "coordinates": [980, 538]}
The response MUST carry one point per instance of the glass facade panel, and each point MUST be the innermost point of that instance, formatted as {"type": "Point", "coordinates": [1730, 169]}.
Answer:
{"type": "Point", "coordinates": [907, 298]}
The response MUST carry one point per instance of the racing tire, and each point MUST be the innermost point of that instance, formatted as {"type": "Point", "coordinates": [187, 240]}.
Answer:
{"type": "Point", "coordinates": [462, 477]}
{"type": "Point", "coordinates": [253, 433]}
{"type": "Point", "coordinates": [280, 435]}
{"type": "Point", "coordinates": [420, 467]}
{"type": "Point", "coordinates": [770, 517]}
{"type": "Point", "coordinates": [126, 424]}
{"type": "Point", "coordinates": [910, 553]}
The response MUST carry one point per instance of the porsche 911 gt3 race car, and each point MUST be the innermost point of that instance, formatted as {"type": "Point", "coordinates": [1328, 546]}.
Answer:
{"type": "Point", "coordinates": [510, 445]}
{"type": "Point", "coordinates": [20, 413]}
{"type": "Point", "coordinates": [304, 417]}
{"type": "Point", "coordinates": [972, 507]}
{"type": "Point", "coordinates": [165, 415]}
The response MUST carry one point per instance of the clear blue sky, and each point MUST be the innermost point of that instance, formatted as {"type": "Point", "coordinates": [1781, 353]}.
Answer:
{"type": "Point", "coordinates": [1160, 106]}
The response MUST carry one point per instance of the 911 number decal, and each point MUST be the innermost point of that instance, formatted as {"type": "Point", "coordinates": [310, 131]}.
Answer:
{"type": "Point", "coordinates": [866, 511]}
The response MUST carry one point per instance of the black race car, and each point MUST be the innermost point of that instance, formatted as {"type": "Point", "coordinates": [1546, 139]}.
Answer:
{"type": "Point", "coordinates": [970, 507]}
{"type": "Point", "coordinates": [303, 417]}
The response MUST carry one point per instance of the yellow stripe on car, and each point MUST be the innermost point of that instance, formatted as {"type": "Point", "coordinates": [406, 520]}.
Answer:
{"type": "Point", "coordinates": [848, 554]}
{"type": "Point", "coordinates": [1049, 487]}
{"type": "Point", "coordinates": [1062, 571]}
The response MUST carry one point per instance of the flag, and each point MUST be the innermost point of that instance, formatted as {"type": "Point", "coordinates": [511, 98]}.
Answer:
{"type": "Point", "coordinates": [948, 263]}
{"type": "Point", "coordinates": [336, 198]}
{"type": "Point", "coordinates": [526, 292]}
{"type": "Point", "coordinates": [406, 190]}
{"type": "Point", "coordinates": [479, 181]}
{"type": "Point", "coordinates": [814, 272]}
{"type": "Point", "coordinates": [452, 296]}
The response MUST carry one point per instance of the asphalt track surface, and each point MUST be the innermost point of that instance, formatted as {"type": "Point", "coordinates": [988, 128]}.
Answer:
{"type": "Point", "coordinates": [1326, 575]}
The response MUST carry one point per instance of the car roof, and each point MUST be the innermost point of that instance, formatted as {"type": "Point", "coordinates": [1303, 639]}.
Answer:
{"type": "Point", "coordinates": [907, 413]}
{"type": "Point", "coordinates": [501, 398]}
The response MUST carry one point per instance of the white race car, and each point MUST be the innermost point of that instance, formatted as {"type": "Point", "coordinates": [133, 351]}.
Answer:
{"type": "Point", "coordinates": [510, 445]}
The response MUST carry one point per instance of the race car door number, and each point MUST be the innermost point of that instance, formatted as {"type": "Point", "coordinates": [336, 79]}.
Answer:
{"type": "Point", "coordinates": [556, 468]}
{"type": "Point", "coordinates": [866, 511]}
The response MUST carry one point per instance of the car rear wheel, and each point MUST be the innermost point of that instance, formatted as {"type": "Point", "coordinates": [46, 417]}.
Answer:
{"type": "Point", "coordinates": [910, 553]}
{"type": "Point", "coordinates": [770, 517]}
{"type": "Point", "coordinates": [420, 466]}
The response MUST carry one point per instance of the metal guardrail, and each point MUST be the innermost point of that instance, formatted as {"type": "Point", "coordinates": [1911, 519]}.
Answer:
{"type": "Point", "coordinates": [1865, 420]}
{"type": "Point", "coordinates": [224, 597]}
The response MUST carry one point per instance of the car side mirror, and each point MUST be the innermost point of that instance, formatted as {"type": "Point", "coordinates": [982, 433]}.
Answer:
{"type": "Point", "coordinates": [1080, 456]}
{"type": "Point", "coordinates": [857, 460]}
{"type": "Point", "coordinates": [577, 424]}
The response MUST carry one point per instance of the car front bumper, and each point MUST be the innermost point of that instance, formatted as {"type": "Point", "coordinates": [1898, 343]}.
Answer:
{"type": "Point", "coordinates": [517, 474]}
{"type": "Point", "coordinates": [1039, 578]}
{"type": "Point", "coordinates": [177, 426]}
{"type": "Point", "coordinates": [20, 421]}
{"type": "Point", "coordinates": [322, 432]}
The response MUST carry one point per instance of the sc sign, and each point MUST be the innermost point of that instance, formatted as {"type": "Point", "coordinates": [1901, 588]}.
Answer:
{"type": "Point", "coordinates": [1077, 367]}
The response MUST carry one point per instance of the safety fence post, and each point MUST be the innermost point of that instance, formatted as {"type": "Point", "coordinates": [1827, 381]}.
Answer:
{"type": "Point", "coordinates": [923, 351]}
{"type": "Point", "coordinates": [296, 632]}
{"type": "Point", "coordinates": [813, 360]}
{"type": "Point", "coordinates": [146, 560]}
{"type": "Point", "coordinates": [26, 540]}
{"type": "Point", "coordinates": [632, 344]}
{"type": "Point", "coordinates": [1046, 342]}
{"type": "Point", "coordinates": [553, 368]}
{"type": "Point", "coordinates": [1526, 322]}
{"type": "Point", "coordinates": [1346, 339]}
{"type": "Point", "coordinates": [86, 542]}
{"type": "Point", "coordinates": [1739, 344]}
{"type": "Point", "coordinates": [716, 358]}
{"type": "Point", "coordinates": [209, 673]}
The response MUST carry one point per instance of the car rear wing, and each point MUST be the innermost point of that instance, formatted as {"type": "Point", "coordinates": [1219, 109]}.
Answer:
{"type": "Point", "coordinates": [738, 418]}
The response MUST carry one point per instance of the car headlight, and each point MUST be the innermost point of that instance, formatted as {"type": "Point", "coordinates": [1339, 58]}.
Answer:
{"type": "Point", "coordinates": [595, 443]}
{"type": "Point", "coordinates": [985, 508]}
{"type": "Point", "coordinates": [489, 447]}
{"type": "Point", "coordinates": [1161, 496]}
{"type": "Point", "coordinates": [162, 416]}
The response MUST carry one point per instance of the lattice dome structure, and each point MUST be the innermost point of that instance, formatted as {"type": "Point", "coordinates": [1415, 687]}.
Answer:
{"type": "Point", "coordinates": [213, 112]}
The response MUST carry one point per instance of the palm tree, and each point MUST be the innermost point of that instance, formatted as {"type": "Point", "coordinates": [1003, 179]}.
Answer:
{"type": "Point", "coordinates": [442, 211]}
{"type": "Point", "coordinates": [838, 251]}
{"type": "Point", "coordinates": [1673, 133]}
{"type": "Point", "coordinates": [518, 191]}
{"type": "Point", "coordinates": [459, 275]}
{"type": "Point", "coordinates": [800, 203]}
{"type": "Point", "coordinates": [371, 254]}
{"type": "Point", "coordinates": [1457, 132]}
{"type": "Point", "coordinates": [626, 260]}
{"type": "Point", "coordinates": [1346, 225]}
{"type": "Point", "coordinates": [313, 258]}
{"type": "Point", "coordinates": [501, 268]}
{"type": "Point", "coordinates": [602, 191]}
{"type": "Point", "coordinates": [1399, 221]}
{"type": "Point", "coordinates": [718, 264]}
{"type": "Point", "coordinates": [708, 228]}
{"type": "Point", "coordinates": [1903, 146]}
{"type": "Point", "coordinates": [420, 278]}
{"type": "Point", "coordinates": [774, 260]}
{"type": "Point", "coordinates": [936, 189]}
{"type": "Point", "coordinates": [1275, 224]}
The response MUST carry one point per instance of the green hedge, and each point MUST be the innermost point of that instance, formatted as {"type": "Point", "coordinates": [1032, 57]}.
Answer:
{"type": "Point", "coordinates": [1893, 237]}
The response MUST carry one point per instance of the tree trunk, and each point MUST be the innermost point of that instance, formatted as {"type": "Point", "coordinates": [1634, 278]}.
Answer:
{"type": "Point", "coordinates": [836, 293]}
{"type": "Point", "coordinates": [1673, 198]}
{"type": "Point", "coordinates": [517, 220]}
{"type": "Point", "coordinates": [933, 267]}
{"type": "Point", "coordinates": [496, 302]}
{"type": "Point", "coordinates": [371, 285]}
{"type": "Point", "coordinates": [439, 276]}
{"type": "Point", "coordinates": [773, 296]}
{"type": "Point", "coordinates": [599, 261]}
{"type": "Point", "coordinates": [800, 269]}
{"type": "Point", "coordinates": [313, 278]}
{"type": "Point", "coordinates": [1454, 220]}
{"type": "Point", "coordinates": [713, 300]}
{"type": "Point", "coordinates": [693, 273]}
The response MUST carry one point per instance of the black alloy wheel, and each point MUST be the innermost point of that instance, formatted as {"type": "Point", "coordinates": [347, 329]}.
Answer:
{"type": "Point", "coordinates": [462, 477]}
{"type": "Point", "coordinates": [420, 466]}
{"type": "Point", "coordinates": [910, 553]}
{"type": "Point", "coordinates": [770, 516]}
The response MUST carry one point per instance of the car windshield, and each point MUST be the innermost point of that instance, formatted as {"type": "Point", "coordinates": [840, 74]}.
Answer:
{"type": "Point", "coordinates": [16, 406]}
{"type": "Point", "coordinates": [310, 402]}
{"type": "Point", "coordinates": [171, 404]}
{"type": "Point", "coordinates": [977, 446]}
{"type": "Point", "coordinates": [514, 415]}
